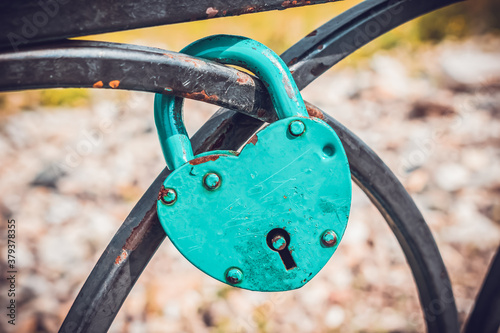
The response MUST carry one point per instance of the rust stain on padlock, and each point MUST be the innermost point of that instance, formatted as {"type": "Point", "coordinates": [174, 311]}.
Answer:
{"type": "Point", "coordinates": [162, 192]}
{"type": "Point", "coordinates": [314, 111]}
{"type": "Point", "coordinates": [253, 140]}
{"type": "Point", "coordinates": [204, 159]}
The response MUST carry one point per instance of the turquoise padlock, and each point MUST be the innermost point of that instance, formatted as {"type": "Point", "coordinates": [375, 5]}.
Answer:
{"type": "Point", "coordinates": [270, 216]}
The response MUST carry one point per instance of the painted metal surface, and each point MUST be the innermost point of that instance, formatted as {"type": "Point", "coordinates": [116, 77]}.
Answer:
{"type": "Point", "coordinates": [300, 185]}
{"type": "Point", "coordinates": [277, 182]}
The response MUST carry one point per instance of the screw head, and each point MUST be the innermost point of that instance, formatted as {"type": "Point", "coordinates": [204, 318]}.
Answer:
{"type": "Point", "coordinates": [234, 275]}
{"type": "Point", "coordinates": [168, 196]}
{"type": "Point", "coordinates": [329, 238]}
{"type": "Point", "coordinates": [279, 242]}
{"type": "Point", "coordinates": [211, 181]}
{"type": "Point", "coordinates": [297, 128]}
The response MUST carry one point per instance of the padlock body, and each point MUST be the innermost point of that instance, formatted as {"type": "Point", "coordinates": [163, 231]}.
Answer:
{"type": "Point", "coordinates": [299, 184]}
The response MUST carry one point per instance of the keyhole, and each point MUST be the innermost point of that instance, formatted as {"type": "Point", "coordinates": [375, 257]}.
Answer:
{"type": "Point", "coordinates": [278, 240]}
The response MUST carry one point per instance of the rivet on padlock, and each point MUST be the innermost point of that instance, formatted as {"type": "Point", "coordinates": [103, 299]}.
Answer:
{"type": "Point", "coordinates": [269, 217]}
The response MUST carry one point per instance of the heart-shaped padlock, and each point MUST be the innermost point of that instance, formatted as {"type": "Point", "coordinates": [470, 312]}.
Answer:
{"type": "Point", "coordinates": [269, 217]}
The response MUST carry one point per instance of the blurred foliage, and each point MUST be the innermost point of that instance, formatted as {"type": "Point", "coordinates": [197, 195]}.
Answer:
{"type": "Point", "coordinates": [460, 20]}
{"type": "Point", "coordinates": [64, 97]}
{"type": "Point", "coordinates": [11, 102]}
{"type": "Point", "coordinates": [281, 29]}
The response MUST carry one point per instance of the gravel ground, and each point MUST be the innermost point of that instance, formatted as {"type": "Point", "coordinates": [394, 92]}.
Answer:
{"type": "Point", "coordinates": [70, 176]}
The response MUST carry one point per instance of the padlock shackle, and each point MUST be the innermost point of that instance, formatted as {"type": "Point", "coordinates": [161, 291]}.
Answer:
{"type": "Point", "coordinates": [231, 50]}
{"type": "Point", "coordinates": [260, 60]}
{"type": "Point", "coordinates": [172, 133]}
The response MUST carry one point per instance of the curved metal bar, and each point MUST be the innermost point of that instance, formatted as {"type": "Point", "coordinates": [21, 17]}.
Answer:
{"type": "Point", "coordinates": [408, 225]}
{"type": "Point", "coordinates": [33, 21]}
{"type": "Point", "coordinates": [138, 238]}
{"type": "Point", "coordinates": [485, 316]}
{"type": "Point", "coordinates": [344, 34]}
{"type": "Point", "coordinates": [119, 266]}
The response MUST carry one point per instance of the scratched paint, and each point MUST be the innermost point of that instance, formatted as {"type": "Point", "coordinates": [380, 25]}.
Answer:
{"type": "Point", "coordinates": [269, 185]}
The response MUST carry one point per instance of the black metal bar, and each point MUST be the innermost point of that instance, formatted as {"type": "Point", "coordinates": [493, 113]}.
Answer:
{"type": "Point", "coordinates": [485, 316]}
{"type": "Point", "coordinates": [119, 266]}
{"type": "Point", "coordinates": [33, 21]}
{"type": "Point", "coordinates": [336, 39]}
{"type": "Point", "coordinates": [92, 64]}
{"type": "Point", "coordinates": [118, 66]}
{"type": "Point", "coordinates": [385, 191]}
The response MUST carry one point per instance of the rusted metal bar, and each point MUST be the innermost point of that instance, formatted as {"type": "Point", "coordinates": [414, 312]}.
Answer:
{"type": "Point", "coordinates": [34, 21]}
{"type": "Point", "coordinates": [118, 66]}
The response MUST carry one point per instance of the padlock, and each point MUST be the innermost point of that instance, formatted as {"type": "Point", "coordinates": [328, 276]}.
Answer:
{"type": "Point", "coordinates": [270, 216]}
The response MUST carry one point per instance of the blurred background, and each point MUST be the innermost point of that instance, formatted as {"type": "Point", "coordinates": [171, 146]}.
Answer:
{"type": "Point", "coordinates": [425, 97]}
